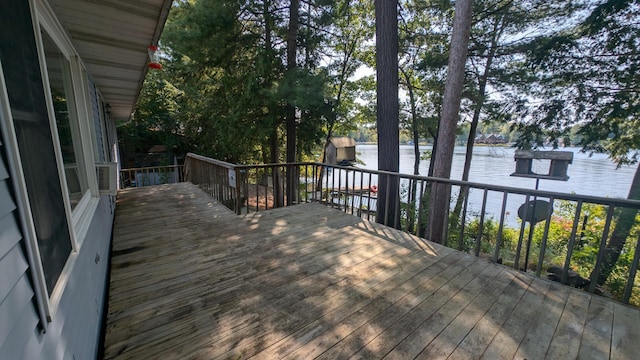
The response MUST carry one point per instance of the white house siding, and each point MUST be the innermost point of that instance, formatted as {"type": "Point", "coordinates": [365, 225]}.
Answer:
{"type": "Point", "coordinates": [74, 332]}
{"type": "Point", "coordinates": [18, 316]}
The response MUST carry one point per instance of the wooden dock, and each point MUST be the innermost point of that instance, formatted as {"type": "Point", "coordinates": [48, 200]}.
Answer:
{"type": "Point", "coordinates": [192, 280]}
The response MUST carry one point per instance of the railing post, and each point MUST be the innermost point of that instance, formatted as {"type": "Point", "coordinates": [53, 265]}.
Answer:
{"type": "Point", "coordinates": [239, 182]}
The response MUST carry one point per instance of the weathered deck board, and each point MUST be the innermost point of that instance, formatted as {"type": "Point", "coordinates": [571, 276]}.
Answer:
{"type": "Point", "coordinates": [192, 280]}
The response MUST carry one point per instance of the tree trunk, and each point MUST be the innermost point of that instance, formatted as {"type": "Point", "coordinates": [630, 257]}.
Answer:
{"type": "Point", "coordinates": [411, 206]}
{"type": "Point", "coordinates": [292, 39]}
{"type": "Point", "coordinates": [274, 143]}
{"type": "Point", "coordinates": [624, 223]}
{"type": "Point", "coordinates": [473, 130]}
{"type": "Point", "coordinates": [387, 111]}
{"type": "Point", "coordinates": [441, 193]}
{"type": "Point", "coordinates": [425, 196]}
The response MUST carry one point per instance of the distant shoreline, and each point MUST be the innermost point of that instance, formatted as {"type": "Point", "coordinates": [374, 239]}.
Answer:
{"type": "Point", "coordinates": [509, 145]}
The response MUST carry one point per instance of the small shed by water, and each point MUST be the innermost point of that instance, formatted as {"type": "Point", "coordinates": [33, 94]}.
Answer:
{"type": "Point", "coordinates": [340, 151]}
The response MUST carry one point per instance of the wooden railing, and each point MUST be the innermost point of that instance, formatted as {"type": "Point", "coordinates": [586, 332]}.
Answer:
{"type": "Point", "coordinates": [151, 175]}
{"type": "Point", "coordinates": [565, 238]}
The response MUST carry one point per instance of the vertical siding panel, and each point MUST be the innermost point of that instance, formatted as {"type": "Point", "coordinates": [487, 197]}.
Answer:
{"type": "Point", "coordinates": [75, 330]}
{"type": "Point", "coordinates": [6, 201]}
{"type": "Point", "coordinates": [12, 266]}
{"type": "Point", "coordinates": [9, 234]}
{"type": "Point", "coordinates": [18, 316]}
{"type": "Point", "coordinates": [95, 110]}
{"type": "Point", "coordinates": [15, 304]}
{"type": "Point", "coordinates": [4, 174]}
{"type": "Point", "coordinates": [14, 345]}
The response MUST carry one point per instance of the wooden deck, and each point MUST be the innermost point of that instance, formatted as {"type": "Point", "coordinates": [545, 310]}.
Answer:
{"type": "Point", "coordinates": [192, 280]}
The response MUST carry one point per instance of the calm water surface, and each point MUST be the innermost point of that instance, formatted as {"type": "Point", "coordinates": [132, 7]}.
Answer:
{"type": "Point", "coordinates": [588, 175]}
{"type": "Point", "coordinates": [595, 175]}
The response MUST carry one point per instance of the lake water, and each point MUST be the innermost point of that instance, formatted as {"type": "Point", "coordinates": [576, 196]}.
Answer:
{"type": "Point", "coordinates": [588, 175]}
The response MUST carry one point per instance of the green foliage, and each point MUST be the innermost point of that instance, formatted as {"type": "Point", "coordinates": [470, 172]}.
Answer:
{"type": "Point", "coordinates": [589, 232]}
{"type": "Point", "coordinates": [584, 75]}
{"type": "Point", "coordinates": [588, 239]}
{"type": "Point", "coordinates": [225, 63]}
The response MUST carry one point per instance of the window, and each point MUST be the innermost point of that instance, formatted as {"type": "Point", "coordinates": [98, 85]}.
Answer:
{"type": "Point", "coordinates": [52, 128]}
{"type": "Point", "coordinates": [35, 143]}
{"type": "Point", "coordinates": [62, 96]}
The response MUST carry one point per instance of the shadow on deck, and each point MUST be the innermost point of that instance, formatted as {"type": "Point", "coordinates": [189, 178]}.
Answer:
{"type": "Point", "coordinates": [190, 279]}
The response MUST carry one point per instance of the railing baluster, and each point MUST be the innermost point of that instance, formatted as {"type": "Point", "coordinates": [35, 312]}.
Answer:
{"type": "Point", "coordinates": [396, 214]}
{"type": "Point", "coordinates": [603, 245]}
{"type": "Point", "coordinates": [516, 263]}
{"type": "Point", "coordinates": [353, 190]}
{"type": "Point", "coordinates": [463, 219]}
{"type": "Point", "coordinates": [409, 209]}
{"type": "Point", "coordinates": [315, 182]}
{"type": "Point", "coordinates": [333, 184]}
{"type": "Point", "coordinates": [420, 208]}
{"type": "Point", "coordinates": [326, 187]}
{"type": "Point", "coordinates": [361, 193]}
{"type": "Point", "coordinates": [340, 188]}
{"type": "Point", "coordinates": [245, 187]}
{"type": "Point", "coordinates": [274, 183]}
{"type": "Point", "coordinates": [496, 252]}
{"type": "Point", "coordinates": [481, 224]}
{"type": "Point", "coordinates": [543, 243]}
{"type": "Point", "coordinates": [632, 273]}
{"type": "Point", "coordinates": [386, 199]}
{"type": "Point", "coordinates": [306, 183]}
{"type": "Point", "coordinates": [572, 242]}
{"type": "Point", "coordinates": [369, 200]}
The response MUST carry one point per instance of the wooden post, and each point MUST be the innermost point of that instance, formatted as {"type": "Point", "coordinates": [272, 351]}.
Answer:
{"type": "Point", "coordinates": [239, 182]}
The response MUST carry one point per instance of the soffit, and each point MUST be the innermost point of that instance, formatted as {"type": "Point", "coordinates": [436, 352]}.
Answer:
{"type": "Point", "coordinates": [112, 37]}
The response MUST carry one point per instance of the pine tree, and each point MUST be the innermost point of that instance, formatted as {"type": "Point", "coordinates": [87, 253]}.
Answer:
{"type": "Point", "coordinates": [387, 110]}
{"type": "Point", "coordinates": [441, 192]}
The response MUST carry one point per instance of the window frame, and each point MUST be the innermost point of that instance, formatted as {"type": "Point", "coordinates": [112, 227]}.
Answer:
{"type": "Point", "coordinates": [74, 119]}
{"type": "Point", "coordinates": [81, 215]}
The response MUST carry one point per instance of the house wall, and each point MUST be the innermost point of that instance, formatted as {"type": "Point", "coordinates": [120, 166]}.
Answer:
{"type": "Point", "coordinates": [18, 316]}
{"type": "Point", "coordinates": [36, 324]}
{"type": "Point", "coordinates": [74, 332]}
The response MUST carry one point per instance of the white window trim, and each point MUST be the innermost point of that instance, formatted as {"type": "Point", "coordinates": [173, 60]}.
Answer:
{"type": "Point", "coordinates": [83, 214]}
{"type": "Point", "coordinates": [80, 217]}
{"type": "Point", "coordinates": [86, 135]}
{"type": "Point", "coordinates": [84, 211]}
{"type": "Point", "coordinates": [41, 25]}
